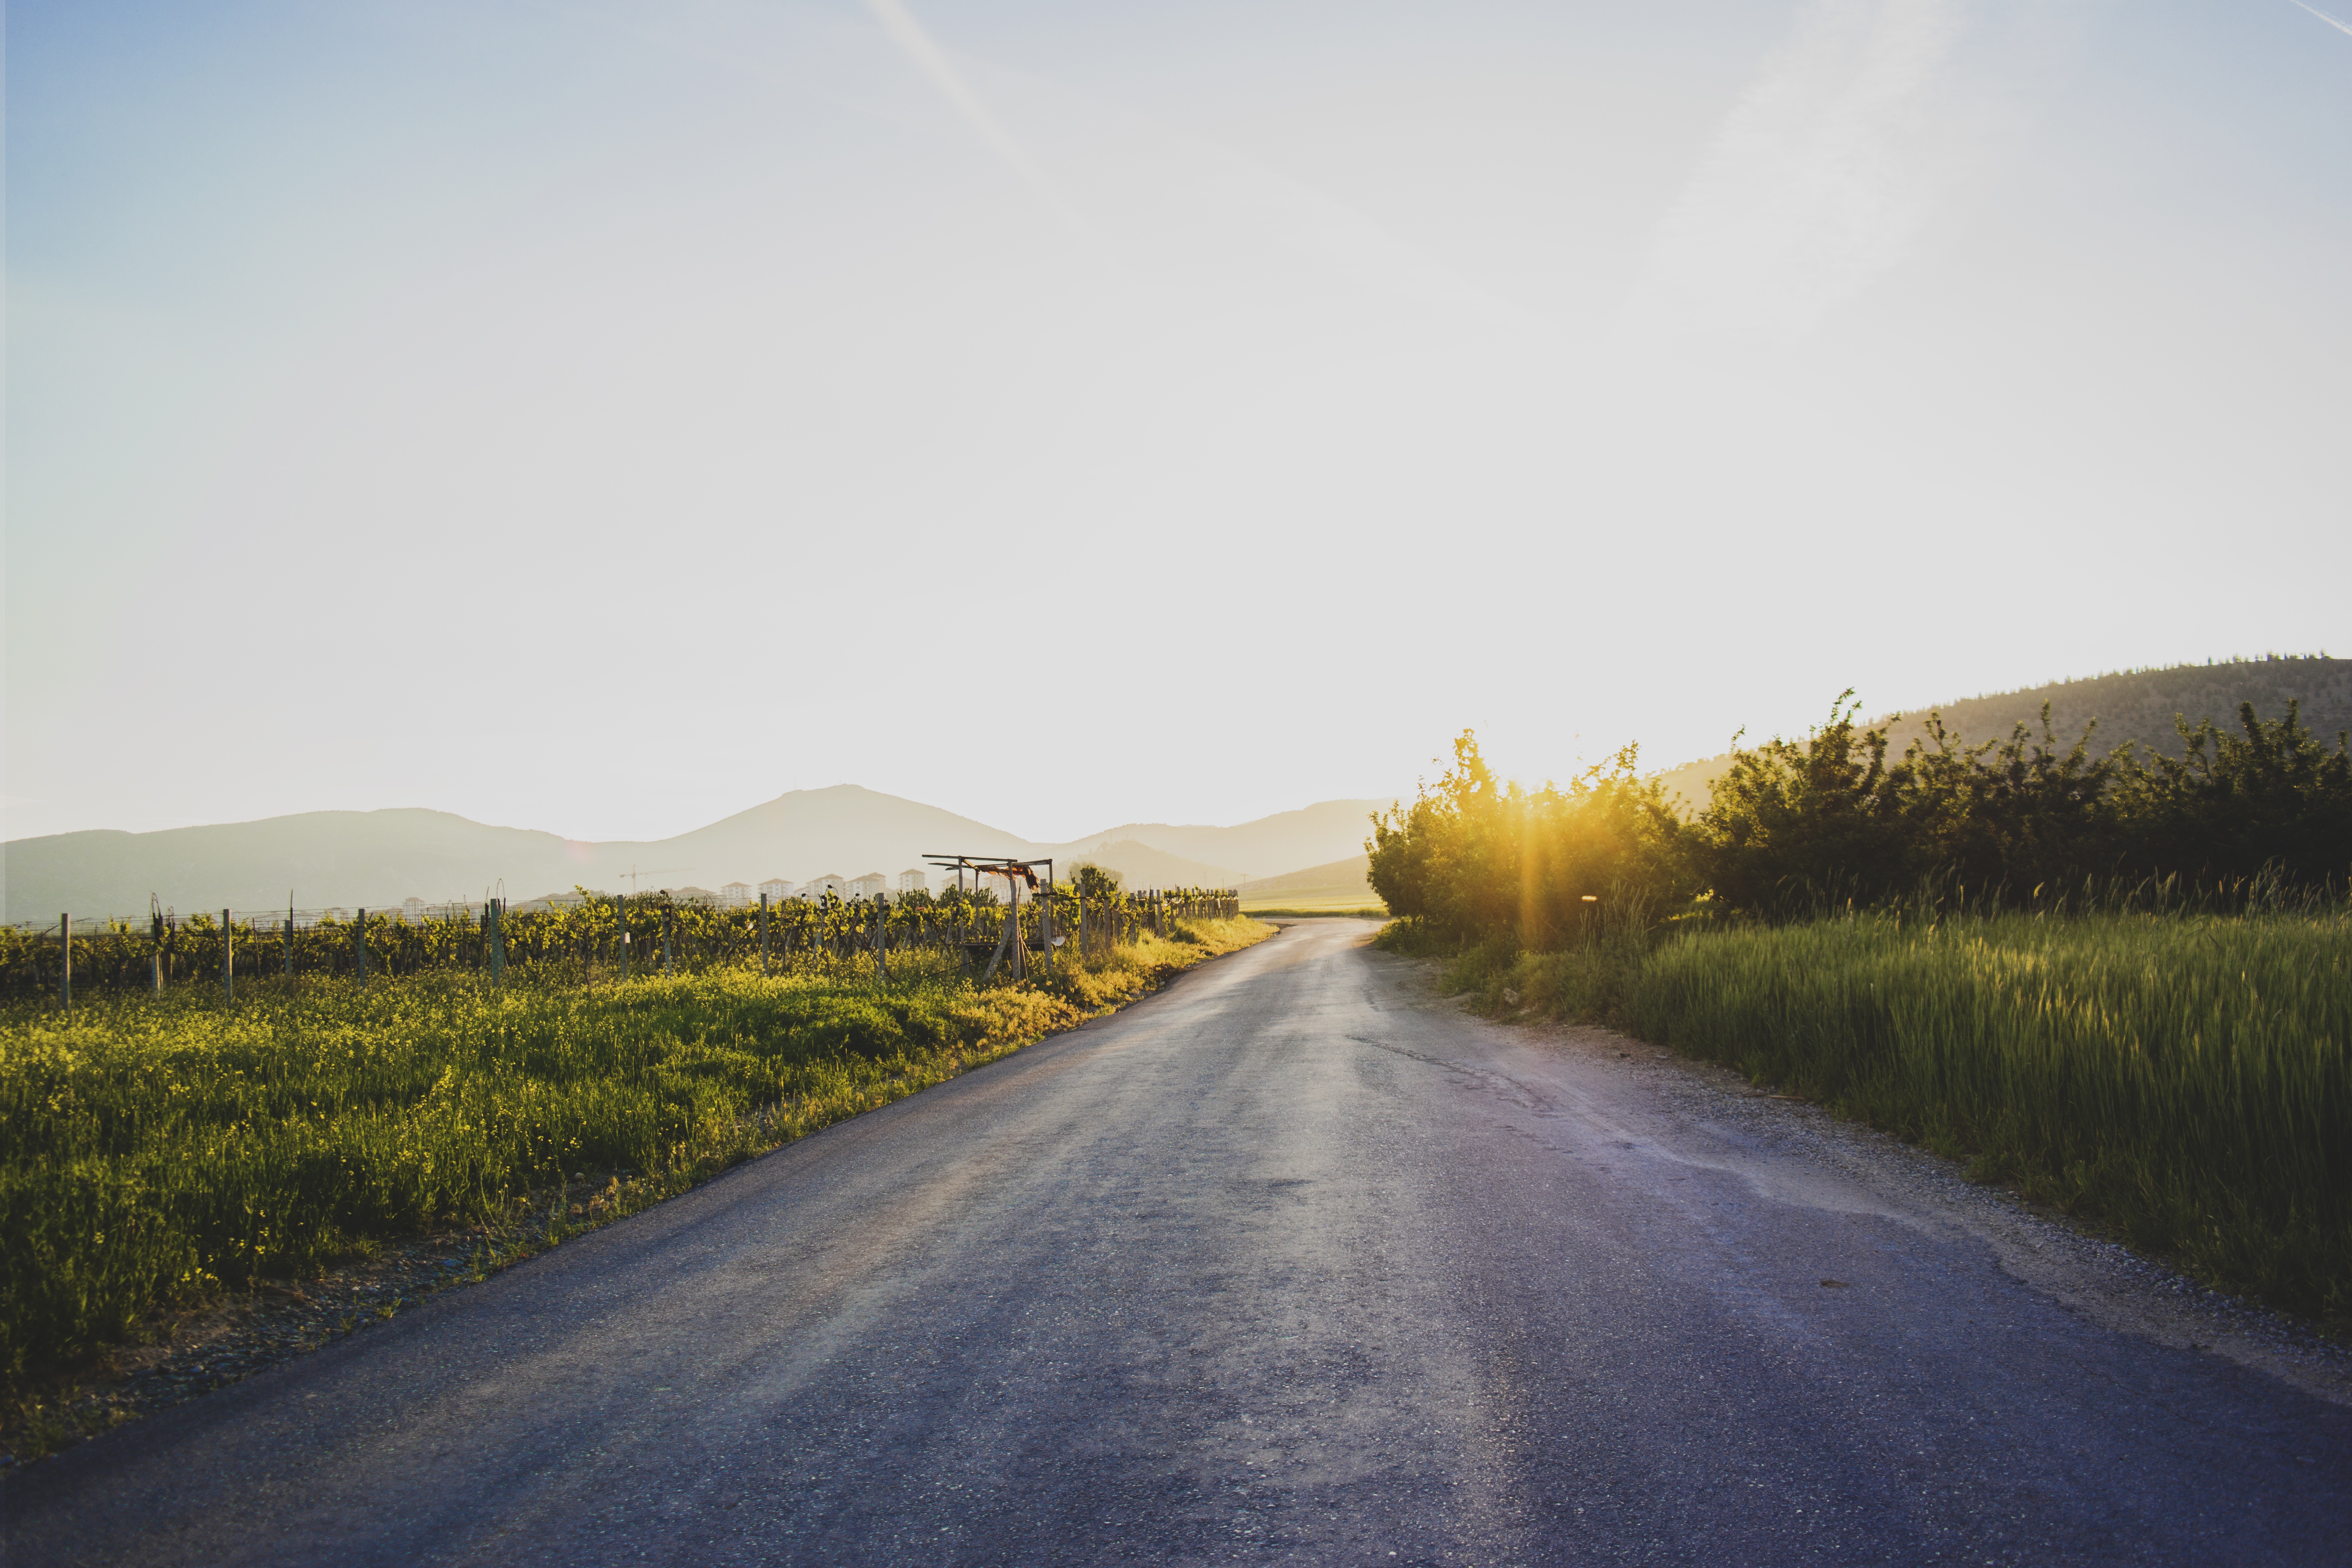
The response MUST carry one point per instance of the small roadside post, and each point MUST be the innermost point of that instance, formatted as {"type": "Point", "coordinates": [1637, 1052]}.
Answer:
{"type": "Point", "coordinates": [65, 960]}
{"type": "Point", "coordinates": [1045, 917]}
{"type": "Point", "coordinates": [228, 959]}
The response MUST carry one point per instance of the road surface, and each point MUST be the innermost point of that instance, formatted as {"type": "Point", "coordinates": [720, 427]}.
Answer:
{"type": "Point", "coordinates": [1290, 1263]}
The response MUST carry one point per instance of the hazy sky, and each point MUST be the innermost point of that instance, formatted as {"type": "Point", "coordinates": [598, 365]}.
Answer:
{"type": "Point", "coordinates": [601, 417]}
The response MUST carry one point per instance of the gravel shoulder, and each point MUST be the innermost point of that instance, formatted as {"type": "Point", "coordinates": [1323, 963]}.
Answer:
{"type": "Point", "coordinates": [1795, 1142]}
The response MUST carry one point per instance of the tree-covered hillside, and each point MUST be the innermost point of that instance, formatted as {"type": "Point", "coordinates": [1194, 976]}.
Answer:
{"type": "Point", "coordinates": [2134, 705]}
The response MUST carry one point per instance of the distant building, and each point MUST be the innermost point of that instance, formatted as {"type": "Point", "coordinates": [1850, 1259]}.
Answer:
{"type": "Point", "coordinates": [735, 895]}
{"type": "Point", "coordinates": [691, 895]}
{"type": "Point", "coordinates": [412, 910]}
{"type": "Point", "coordinates": [777, 889]}
{"type": "Point", "coordinates": [869, 885]}
{"type": "Point", "coordinates": [831, 883]}
{"type": "Point", "coordinates": [912, 880]}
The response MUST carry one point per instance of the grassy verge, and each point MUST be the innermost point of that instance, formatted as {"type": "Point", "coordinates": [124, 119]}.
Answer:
{"type": "Point", "coordinates": [1101, 979]}
{"type": "Point", "coordinates": [158, 1152]}
{"type": "Point", "coordinates": [2185, 1080]}
{"type": "Point", "coordinates": [1331, 899]}
{"type": "Point", "coordinates": [1357, 911]}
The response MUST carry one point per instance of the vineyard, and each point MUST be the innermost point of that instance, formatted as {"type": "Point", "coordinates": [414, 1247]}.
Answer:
{"type": "Point", "coordinates": [161, 1146]}
{"type": "Point", "coordinates": [591, 936]}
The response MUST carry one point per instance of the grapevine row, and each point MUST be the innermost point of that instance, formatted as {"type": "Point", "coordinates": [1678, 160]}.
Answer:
{"type": "Point", "coordinates": [597, 936]}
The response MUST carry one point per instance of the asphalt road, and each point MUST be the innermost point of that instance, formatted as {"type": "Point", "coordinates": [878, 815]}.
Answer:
{"type": "Point", "coordinates": [1291, 1262]}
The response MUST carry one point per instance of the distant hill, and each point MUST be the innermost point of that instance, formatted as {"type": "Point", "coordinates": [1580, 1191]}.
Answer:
{"type": "Point", "coordinates": [809, 832]}
{"type": "Point", "coordinates": [1340, 878]}
{"type": "Point", "coordinates": [2134, 705]}
{"type": "Point", "coordinates": [348, 859]}
{"type": "Point", "coordinates": [327, 857]}
{"type": "Point", "coordinates": [1141, 866]}
{"type": "Point", "coordinates": [1268, 846]}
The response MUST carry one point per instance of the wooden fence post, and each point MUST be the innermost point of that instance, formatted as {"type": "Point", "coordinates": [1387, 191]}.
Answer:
{"type": "Point", "coordinates": [359, 942]}
{"type": "Point", "coordinates": [763, 935]}
{"type": "Point", "coordinates": [669, 913]}
{"type": "Point", "coordinates": [65, 960]}
{"type": "Point", "coordinates": [229, 960]}
{"type": "Point", "coordinates": [156, 951]}
{"type": "Point", "coordinates": [1007, 933]}
{"type": "Point", "coordinates": [497, 942]}
{"type": "Point", "coordinates": [290, 933]}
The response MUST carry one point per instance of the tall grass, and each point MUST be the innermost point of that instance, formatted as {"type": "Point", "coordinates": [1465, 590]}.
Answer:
{"type": "Point", "coordinates": [1105, 973]}
{"type": "Point", "coordinates": [2186, 1079]}
{"type": "Point", "coordinates": [2189, 1080]}
{"type": "Point", "coordinates": [156, 1148]}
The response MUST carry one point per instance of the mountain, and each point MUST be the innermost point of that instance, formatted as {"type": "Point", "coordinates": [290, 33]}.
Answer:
{"type": "Point", "coordinates": [378, 857]}
{"type": "Point", "coordinates": [328, 857]}
{"type": "Point", "coordinates": [1269, 846]}
{"type": "Point", "coordinates": [346, 858]}
{"type": "Point", "coordinates": [1141, 866]}
{"type": "Point", "coordinates": [1348, 878]}
{"type": "Point", "coordinates": [809, 832]}
{"type": "Point", "coordinates": [2134, 705]}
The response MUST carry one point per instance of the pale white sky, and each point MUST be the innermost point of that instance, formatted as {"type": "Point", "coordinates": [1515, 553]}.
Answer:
{"type": "Point", "coordinates": [601, 417]}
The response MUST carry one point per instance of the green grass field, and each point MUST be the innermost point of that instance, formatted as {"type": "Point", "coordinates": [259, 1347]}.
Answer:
{"type": "Point", "coordinates": [156, 1151]}
{"type": "Point", "coordinates": [1357, 902]}
{"type": "Point", "coordinates": [2185, 1079]}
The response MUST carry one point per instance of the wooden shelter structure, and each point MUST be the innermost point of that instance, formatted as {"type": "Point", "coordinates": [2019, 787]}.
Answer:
{"type": "Point", "coordinates": [1016, 874]}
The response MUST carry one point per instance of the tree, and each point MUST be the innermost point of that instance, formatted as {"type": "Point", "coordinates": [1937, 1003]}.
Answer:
{"type": "Point", "coordinates": [1475, 857]}
{"type": "Point", "coordinates": [2272, 795]}
{"type": "Point", "coordinates": [1797, 823]}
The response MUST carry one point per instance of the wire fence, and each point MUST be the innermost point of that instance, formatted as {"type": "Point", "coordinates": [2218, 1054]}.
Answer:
{"type": "Point", "coordinates": [582, 936]}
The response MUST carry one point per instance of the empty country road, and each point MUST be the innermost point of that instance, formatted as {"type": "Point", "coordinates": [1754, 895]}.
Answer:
{"type": "Point", "coordinates": [1292, 1262]}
